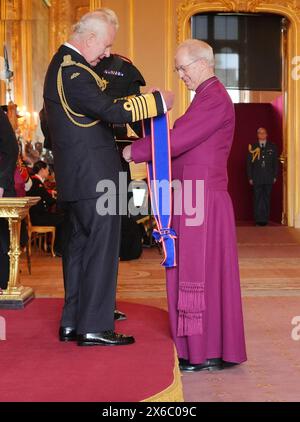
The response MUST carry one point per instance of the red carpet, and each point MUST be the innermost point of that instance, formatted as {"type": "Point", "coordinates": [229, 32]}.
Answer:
{"type": "Point", "coordinates": [36, 367]}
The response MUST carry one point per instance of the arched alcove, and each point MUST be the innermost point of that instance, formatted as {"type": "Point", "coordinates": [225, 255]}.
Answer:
{"type": "Point", "coordinates": [291, 11]}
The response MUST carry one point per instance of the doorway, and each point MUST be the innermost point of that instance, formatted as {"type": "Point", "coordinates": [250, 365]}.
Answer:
{"type": "Point", "coordinates": [249, 52]}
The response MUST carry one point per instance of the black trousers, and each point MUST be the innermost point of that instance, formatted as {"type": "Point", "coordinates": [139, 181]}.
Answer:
{"type": "Point", "coordinates": [262, 199]}
{"type": "Point", "coordinates": [90, 266]}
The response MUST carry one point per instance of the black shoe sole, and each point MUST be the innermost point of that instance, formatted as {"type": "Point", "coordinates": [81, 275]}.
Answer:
{"type": "Point", "coordinates": [95, 343]}
{"type": "Point", "coordinates": [207, 368]}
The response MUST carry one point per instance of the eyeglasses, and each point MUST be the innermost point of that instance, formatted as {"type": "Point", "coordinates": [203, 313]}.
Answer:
{"type": "Point", "coordinates": [183, 68]}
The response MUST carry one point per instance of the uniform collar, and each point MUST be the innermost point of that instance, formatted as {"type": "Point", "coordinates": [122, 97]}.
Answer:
{"type": "Point", "coordinates": [72, 47]}
{"type": "Point", "coordinates": [75, 54]}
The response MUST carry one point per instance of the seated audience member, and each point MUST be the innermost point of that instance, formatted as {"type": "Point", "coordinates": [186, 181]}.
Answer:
{"type": "Point", "coordinates": [30, 156]}
{"type": "Point", "coordinates": [45, 212]}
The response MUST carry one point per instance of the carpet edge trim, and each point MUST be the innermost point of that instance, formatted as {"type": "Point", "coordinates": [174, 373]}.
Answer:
{"type": "Point", "coordinates": [173, 393]}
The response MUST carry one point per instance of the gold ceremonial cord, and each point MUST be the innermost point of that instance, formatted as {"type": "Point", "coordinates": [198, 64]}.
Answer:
{"type": "Point", "coordinates": [60, 88]}
{"type": "Point", "coordinates": [255, 152]}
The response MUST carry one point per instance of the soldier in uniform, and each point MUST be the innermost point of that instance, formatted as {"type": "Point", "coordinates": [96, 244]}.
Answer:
{"type": "Point", "coordinates": [8, 159]}
{"type": "Point", "coordinates": [79, 117]}
{"type": "Point", "coordinates": [262, 168]}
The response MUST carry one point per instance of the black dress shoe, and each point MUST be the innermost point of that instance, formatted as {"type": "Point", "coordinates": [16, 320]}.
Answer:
{"type": "Point", "coordinates": [208, 365]}
{"type": "Point", "coordinates": [119, 316]}
{"type": "Point", "coordinates": [183, 361]}
{"type": "Point", "coordinates": [106, 338]}
{"type": "Point", "coordinates": [67, 334]}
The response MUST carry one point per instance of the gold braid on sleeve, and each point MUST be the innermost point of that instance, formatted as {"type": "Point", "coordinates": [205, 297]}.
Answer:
{"type": "Point", "coordinates": [60, 88]}
{"type": "Point", "coordinates": [141, 107]}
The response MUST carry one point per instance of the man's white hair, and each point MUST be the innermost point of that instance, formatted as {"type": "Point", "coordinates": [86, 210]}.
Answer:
{"type": "Point", "coordinates": [95, 22]}
{"type": "Point", "coordinates": [198, 49]}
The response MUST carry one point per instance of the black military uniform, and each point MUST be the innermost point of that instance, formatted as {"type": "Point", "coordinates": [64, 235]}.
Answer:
{"type": "Point", "coordinates": [85, 153]}
{"type": "Point", "coordinates": [123, 79]}
{"type": "Point", "coordinates": [8, 159]}
{"type": "Point", "coordinates": [262, 169]}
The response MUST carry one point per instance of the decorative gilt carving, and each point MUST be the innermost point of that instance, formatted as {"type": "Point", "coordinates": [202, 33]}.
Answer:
{"type": "Point", "coordinates": [284, 4]}
{"type": "Point", "coordinates": [190, 7]}
{"type": "Point", "coordinates": [14, 252]}
{"type": "Point", "coordinates": [14, 209]}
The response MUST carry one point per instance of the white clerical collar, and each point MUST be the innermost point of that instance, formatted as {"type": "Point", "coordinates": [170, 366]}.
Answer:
{"type": "Point", "coordinates": [72, 47]}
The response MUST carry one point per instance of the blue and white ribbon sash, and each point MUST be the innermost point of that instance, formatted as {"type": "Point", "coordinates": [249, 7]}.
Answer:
{"type": "Point", "coordinates": [160, 179]}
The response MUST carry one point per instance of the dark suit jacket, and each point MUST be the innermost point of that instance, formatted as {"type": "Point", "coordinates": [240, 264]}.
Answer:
{"type": "Point", "coordinates": [83, 156]}
{"type": "Point", "coordinates": [8, 155]}
{"type": "Point", "coordinates": [263, 174]}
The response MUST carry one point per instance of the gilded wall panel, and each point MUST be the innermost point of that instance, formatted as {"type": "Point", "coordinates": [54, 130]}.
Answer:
{"type": "Point", "coordinates": [80, 11]}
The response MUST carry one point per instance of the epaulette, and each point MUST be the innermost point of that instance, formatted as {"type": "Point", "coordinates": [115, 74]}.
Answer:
{"type": "Point", "coordinates": [123, 58]}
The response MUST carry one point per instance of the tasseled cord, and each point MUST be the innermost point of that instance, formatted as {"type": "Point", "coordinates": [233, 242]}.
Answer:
{"type": "Point", "coordinates": [191, 304]}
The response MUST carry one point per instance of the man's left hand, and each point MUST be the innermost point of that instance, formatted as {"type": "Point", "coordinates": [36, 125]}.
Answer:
{"type": "Point", "coordinates": [274, 180]}
{"type": "Point", "coordinates": [127, 153]}
{"type": "Point", "coordinates": [1, 192]}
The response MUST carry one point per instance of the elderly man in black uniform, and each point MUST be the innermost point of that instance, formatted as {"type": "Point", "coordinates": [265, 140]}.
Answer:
{"type": "Point", "coordinates": [262, 168]}
{"type": "Point", "coordinates": [79, 116]}
{"type": "Point", "coordinates": [8, 158]}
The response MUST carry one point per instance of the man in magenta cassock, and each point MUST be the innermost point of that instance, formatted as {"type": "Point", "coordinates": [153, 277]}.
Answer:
{"type": "Point", "coordinates": [204, 295]}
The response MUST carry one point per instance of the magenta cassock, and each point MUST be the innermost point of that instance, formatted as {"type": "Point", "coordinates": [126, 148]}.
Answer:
{"type": "Point", "coordinates": [204, 296]}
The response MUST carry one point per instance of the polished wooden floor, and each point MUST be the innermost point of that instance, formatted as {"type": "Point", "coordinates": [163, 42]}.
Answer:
{"type": "Point", "coordinates": [269, 265]}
